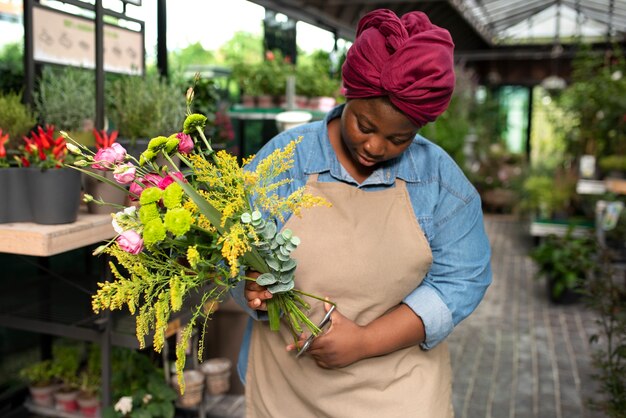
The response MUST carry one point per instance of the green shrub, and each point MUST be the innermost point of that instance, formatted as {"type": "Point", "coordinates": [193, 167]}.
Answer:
{"type": "Point", "coordinates": [66, 97]}
{"type": "Point", "coordinates": [16, 118]}
{"type": "Point", "coordinates": [145, 107]}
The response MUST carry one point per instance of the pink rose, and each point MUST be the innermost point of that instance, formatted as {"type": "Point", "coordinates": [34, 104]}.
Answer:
{"type": "Point", "coordinates": [130, 241]}
{"type": "Point", "coordinates": [169, 179]}
{"type": "Point", "coordinates": [106, 158]}
{"type": "Point", "coordinates": [185, 143]}
{"type": "Point", "coordinates": [125, 174]}
{"type": "Point", "coordinates": [120, 151]}
{"type": "Point", "coordinates": [149, 180]}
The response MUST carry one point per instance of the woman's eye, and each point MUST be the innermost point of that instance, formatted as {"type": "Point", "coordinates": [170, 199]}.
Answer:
{"type": "Point", "coordinates": [365, 130]}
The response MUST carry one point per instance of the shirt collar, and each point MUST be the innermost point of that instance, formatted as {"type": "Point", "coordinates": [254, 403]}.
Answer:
{"type": "Point", "coordinates": [323, 159]}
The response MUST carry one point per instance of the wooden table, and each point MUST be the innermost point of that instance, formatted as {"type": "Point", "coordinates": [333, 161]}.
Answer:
{"type": "Point", "coordinates": [27, 238]}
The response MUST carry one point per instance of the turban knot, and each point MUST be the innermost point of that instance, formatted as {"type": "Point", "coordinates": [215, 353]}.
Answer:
{"type": "Point", "coordinates": [408, 59]}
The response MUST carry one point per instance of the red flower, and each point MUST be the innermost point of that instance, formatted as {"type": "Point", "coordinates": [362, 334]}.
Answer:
{"type": "Point", "coordinates": [3, 140]}
{"type": "Point", "coordinates": [103, 139]}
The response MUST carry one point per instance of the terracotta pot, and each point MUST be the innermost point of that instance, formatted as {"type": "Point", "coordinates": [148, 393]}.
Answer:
{"type": "Point", "coordinates": [43, 395]}
{"type": "Point", "coordinates": [89, 405]}
{"type": "Point", "coordinates": [66, 400]}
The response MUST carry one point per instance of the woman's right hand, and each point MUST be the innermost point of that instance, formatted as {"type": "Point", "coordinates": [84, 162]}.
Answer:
{"type": "Point", "coordinates": [255, 294]}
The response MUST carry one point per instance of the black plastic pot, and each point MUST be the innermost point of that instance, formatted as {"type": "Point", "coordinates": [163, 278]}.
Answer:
{"type": "Point", "coordinates": [54, 195]}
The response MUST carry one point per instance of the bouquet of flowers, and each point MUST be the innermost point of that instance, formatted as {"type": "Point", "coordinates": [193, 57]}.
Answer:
{"type": "Point", "coordinates": [197, 230]}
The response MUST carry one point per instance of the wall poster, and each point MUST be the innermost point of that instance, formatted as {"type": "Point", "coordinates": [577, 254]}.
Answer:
{"type": "Point", "coordinates": [62, 38]}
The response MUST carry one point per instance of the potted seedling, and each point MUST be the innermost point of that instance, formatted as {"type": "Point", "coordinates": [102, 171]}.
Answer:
{"type": "Point", "coordinates": [66, 359]}
{"type": "Point", "coordinates": [565, 262]}
{"type": "Point", "coordinates": [41, 382]}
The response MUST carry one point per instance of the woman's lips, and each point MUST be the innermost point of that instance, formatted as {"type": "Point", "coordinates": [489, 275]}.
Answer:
{"type": "Point", "coordinates": [366, 161]}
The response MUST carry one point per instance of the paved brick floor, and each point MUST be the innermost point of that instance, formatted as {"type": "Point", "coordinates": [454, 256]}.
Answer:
{"type": "Point", "coordinates": [519, 355]}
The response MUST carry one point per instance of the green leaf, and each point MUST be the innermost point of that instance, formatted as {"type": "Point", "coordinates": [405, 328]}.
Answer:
{"type": "Point", "coordinates": [282, 257]}
{"type": "Point", "coordinates": [289, 265]}
{"type": "Point", "coordinates": [273, 264]}
{"type": "Point", "coordinates": [273, 313]}
{"type": "Point", "coordinates": [286, 277]}
{"type": "Point", "coordinates": [213, 215]}
{"type": "Point", "coordinates": [266, 279]}
{"type": "Point", "coordinates": [281, 287]}
{"type": "Point", "coordinates": [269, 231]}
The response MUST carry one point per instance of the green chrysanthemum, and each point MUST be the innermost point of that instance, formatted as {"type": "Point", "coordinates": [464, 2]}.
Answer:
{"type": "Point", "coordinates": [157, 143]}
{"type": "Point", "coordinates": [154, 232]}
{"type": "Point", "coordinates": [148, 212]}
{"type": "Point", "coordinates": [150, 195]}
{"type": "Point", "coordinates": [194, 121]}
{"type": "Point", "coordinates": [173, 196]}
{"type": "Point", "coordinates": [146, 156]}
{"type": "Point", "coordinates": [178, 221]}
{"type": "Point", "coordinates": [171, 144]}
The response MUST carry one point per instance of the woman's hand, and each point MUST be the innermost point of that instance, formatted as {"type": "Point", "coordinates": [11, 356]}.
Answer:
{"type": "Point", "coordinates": [346, 342]}
{"type": "Point", "coordinates": [255, 294]}
{"type": "Point", "coordinates": [340, 346]}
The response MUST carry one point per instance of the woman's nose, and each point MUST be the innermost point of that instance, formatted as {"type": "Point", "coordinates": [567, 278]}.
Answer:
{"type": "Point", "coordinates": [375, 147]}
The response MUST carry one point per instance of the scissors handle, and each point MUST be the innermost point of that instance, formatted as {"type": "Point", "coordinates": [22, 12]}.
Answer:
{"type": "Point", "coordinates": [322, 324]}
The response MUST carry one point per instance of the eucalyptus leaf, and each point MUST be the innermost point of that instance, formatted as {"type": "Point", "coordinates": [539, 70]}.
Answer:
{"type": "Point", "coordinates": [246, 218]}
{"type": "Point", "coordinates": [256, 215]}
{"type": "Point", "coordinates": [288, 265]}
{"type": "Point", "coordinates": [284, 250]}
{"type": "Point", "coordinates": [269, 231]}
{"type": "Point", "coordinates": [287, 234]}
{"type": "Point", "coordinates": [282, 257]}
{"type": "Point", "coordinates": [286, 277]}
{"type": "Point", "coordinates": [273, 264]}
{"type": "Point", "coordinates": [266, 279]}
{"type": "Point", "coordinates": [295, 241]}
{"type": "Point", "coordinates": [279, 239]}
{"type": "Point", "coordinates": [281, 287]}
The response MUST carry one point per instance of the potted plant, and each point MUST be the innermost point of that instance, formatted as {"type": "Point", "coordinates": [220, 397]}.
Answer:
{"type": "Point", "coordinates": [52, 190]}
{"type": "Point", "coordinates": [16, 119]}
{"type": "Point", "coordinates": [65, 98]}
{"type": "Point", "coordinates": [41, 382]}
{"type": "Point", "coordinates": [565, 262]}
{"type": "Point", "coordinates": [88, 398]}
{"type": "Point", "coordinates": [139, 389]}
{"type": "Point", "coordinates": [141, 108]}
{"type": "Point", "coordinates": [65, 363]}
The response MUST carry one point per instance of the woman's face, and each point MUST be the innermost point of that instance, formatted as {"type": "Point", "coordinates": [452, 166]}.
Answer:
{"type": "Point", "coordinates": [373, 131]}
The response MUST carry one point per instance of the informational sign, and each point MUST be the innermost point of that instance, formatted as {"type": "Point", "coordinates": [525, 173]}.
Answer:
{"type": "Point", "coordinates": [61, 38]}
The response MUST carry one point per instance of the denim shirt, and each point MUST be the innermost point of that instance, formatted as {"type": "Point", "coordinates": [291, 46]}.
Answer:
{"type": "Point", "coordinates": [446, 206]}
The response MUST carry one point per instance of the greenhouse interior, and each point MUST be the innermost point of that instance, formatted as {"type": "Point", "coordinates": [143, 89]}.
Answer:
{"type": "Point", "coordinates": [152, 153]}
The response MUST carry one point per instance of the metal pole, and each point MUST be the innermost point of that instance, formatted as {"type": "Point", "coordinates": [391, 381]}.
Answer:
{"type": "Point", "coordinates": [162, 39]}
{"type": "Point", "coordinates": [29, 60]}
{"type": "Point", "coordinates": [99, 65]}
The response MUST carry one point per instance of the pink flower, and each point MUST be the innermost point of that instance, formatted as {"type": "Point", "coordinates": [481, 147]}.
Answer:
{"type": "Point", "coordinates": [185, 143]}
{"type": "Point", "coordinates": [125, 174]}
{"type": "Point", "coordinates": [169, 179]}
{"type": "Point", "coordinates": [149, 180]}
{"type": "Point", "coordinates": [106, 158]}
{"type": "Point", "coordinates": [130, 241]}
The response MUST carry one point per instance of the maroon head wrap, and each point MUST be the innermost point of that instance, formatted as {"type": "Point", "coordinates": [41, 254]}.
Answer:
{"type": "Point", "coordinates": [410, 60]}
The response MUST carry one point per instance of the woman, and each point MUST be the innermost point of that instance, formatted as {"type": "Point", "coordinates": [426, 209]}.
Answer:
{"type": "Point", "coordinates": [402, 251]}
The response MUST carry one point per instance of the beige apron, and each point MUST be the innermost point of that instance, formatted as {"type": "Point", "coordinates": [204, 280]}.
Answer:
{"type": "Point", "coordinates": [366, 253]}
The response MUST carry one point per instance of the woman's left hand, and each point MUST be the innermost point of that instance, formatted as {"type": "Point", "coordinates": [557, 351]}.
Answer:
{"type": "Point", "coordinates": [340, 346]}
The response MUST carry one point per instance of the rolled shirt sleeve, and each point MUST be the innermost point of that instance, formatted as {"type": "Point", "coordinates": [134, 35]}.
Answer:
{"type": "Point", "coordinates": [460, 273]}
